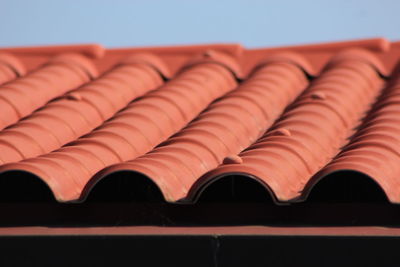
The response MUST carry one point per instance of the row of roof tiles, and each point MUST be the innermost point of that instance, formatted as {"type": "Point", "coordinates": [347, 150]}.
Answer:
{"type": "Point", "coordinates": [185, 117]}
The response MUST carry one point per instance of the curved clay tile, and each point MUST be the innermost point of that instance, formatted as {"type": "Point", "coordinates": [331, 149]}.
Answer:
{"type": "Point", "coordinates": [78, 112]}
{"type": "Point", "coordinates": [10, 68]}
{"type": "Point", "coordinates": [211, 56]}
{"type": "Point", "coordinates": [225, 128]}
{"type": "Point", "coordinates": [292, 58]}
{"type": "Point", "coordinates": [311, 131]}
{"type": "Point", "coordinates": [375, 149]}
{"type": "Point", "coordinates": [21, 97]}
{"type": "Point", "coordinates": [151, 60]}
{"type": "Point", "coordinates": [132, 132]}
{"type": "Point", "coordinates": [78, 61]}
{"type": "Point", "coordinates": [362, 55]}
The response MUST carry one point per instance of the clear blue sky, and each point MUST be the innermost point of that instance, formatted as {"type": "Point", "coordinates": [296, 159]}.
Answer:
{"type": "Point", "coordinates": [138, 23]}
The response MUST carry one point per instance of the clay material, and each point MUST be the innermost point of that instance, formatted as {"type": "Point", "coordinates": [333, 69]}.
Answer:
{"type": "Point", "coordinates": [185, 117]}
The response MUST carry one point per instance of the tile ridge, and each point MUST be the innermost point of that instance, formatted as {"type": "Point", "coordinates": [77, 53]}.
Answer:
{"type": "Point", "coordinates": [94, 51]}
{"type": "Point", "coordinates": [374, 44]}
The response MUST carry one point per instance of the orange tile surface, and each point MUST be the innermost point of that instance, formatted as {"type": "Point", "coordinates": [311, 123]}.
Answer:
{"type": "Point", "coordinates": [187, 116]}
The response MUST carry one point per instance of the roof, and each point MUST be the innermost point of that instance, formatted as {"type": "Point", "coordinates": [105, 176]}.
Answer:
{"type": "Point", "coordinates": [184, 117]}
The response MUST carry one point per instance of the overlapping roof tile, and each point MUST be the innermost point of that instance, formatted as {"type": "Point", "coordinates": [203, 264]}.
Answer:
{"type": "Point", "coordinates": [78, 112]}
{"type": "Point", "coordinates": [313, 128]}
{"type": "Point", "coordinates": [185, 117]}
{"type": "Point", "coordinates": [225, 128]}
{"type": "Point", "coordinates": [20, 97]}
{"type": "Point", "coordinates": [10, 68]}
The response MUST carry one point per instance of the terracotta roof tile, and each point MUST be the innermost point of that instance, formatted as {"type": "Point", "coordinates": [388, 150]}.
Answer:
{"type": "Point", "coordinates": [20, 97]}
{"type": "Point", "coordinates": [185, 117]}
{"type": "Point", "coordinates": [131, 132]}
{"type": "Point", "coordinates": [374, 148]}
{"type": "Point", "coordinates": [10, 68]}
{"type": "Point", "coordinates": [227, 127]}
{"type": "Point", "coordinates": [312, 130]}
{"type": "Point", "coordinates": [78, 112]}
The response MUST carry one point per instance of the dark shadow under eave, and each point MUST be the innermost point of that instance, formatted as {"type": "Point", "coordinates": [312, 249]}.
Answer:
{"type": "Point", "coordinates": [22, 186]}
{"type": "Point", "coordinates": [233, 188]}
{"type": "Point", "coordinates": [344, 186]}
{"type": "Point", "coordinates": [123, 186]}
